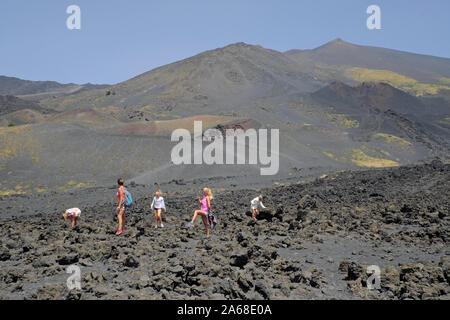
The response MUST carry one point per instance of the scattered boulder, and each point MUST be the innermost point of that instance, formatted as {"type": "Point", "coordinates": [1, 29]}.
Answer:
{"type": "Point", "coordinates": [239, 258]}
{"type": "Point", "coordinates": [131, 262]}
{"type": "Point", "coordinates": [265, 215]}
{"type": "Point", "coordinates": [68, 259]}
{"type": "Point", "coordinates": [176, 270]}
{"type": "Point", "coordinates": [262, 288]}
{"type": "Point", "coordinates": [352, 269]}
{"type": "Point", "coordinates": [4, 254]}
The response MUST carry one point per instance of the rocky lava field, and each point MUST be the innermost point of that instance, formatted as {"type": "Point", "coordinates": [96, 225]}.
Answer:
{"type": "Point", "coordinates": [314, 242]}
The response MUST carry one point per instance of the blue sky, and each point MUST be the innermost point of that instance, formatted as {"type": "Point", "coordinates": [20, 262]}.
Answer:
{"type": "Point", "coordinates": [120, 39]}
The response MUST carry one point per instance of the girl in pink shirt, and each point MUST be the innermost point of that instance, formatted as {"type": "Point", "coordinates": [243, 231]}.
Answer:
{"type": "Point", "coordinates": [205, 207]}
{"type": "Point", "coordinates": [121, 205]}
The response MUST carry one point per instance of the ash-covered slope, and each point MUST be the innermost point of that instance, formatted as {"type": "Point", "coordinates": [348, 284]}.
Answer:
{"type": "Point", "coordinates": [37, 90]}
{"type": "Point", "coordinates": [16, 111]}
{"type": "Point", "coordinates": [9, 104]}
{"type": "Point", "coordinates": [218, 80]}
{"type": "Point", "coordinates": [124, 130]}
{"type": "Point", "coordinates": [386, 113]}
{"type": "Point", "coordinates": [372, 95]}
{"type": "Point", "coordinates": [423, 68]}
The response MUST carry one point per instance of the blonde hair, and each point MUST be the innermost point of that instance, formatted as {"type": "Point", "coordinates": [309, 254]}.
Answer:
{"type": "Point", "coordinates": [209, 193]}
{"type": "Point", "coordinates": [158, 192]}
{"type": "Point", "coordinates": [260, 196]}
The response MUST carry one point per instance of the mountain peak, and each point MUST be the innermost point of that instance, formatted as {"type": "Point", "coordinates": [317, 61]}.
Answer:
{"type": "Point", "coordinates": [230, 48]}
{"type": "Point", "coordinates": [337, 40]}
{"type": "Point", "coordinates": [240, 45]}
{"type": "Point", "coordinates": [336, 43]}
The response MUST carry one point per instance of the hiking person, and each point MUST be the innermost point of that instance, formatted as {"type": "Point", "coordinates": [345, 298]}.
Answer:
{"type": "Point", "coordinates": [121, 208]}
{"type": "Point", "coordinates": [73, 214]}
{"type": "Point", "coordinates": [157, 206]}
{"type": "Point", "coordinates": [254, 204]}
{"type": "Point", "coordinates": [205, 208]}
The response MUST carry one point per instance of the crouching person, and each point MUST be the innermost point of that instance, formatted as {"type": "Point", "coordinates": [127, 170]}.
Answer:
{"type": "Point", "coordinates": [72, 214]}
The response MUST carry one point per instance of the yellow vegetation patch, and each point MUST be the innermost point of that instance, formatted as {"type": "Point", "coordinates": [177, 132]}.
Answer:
{"type": "Point", "coordinates": [328, 154]}
{"type": "Point", "coordinates": [391, 139]}
{"type": "Point", "coordinates": [36, 159]}
{"type": "Point", "coordinates": [364, 74]}
{"type": "Point", "coordinates": [445, 121]}
{"type": "Point", "coordinates": [148, 108]}
{"type": "Point", "coordinates": [9, 192]}
{"type": "Point", "coordinates": [304, 124]}
{"type": "Point", "coordinates": [396, 80]}
{"type": "Point", "coordinates": [40, 190]}
{"type": "Point", "coordinates": [444, 80]}
{"type": "Point", "coordinates": [363, 160]}
{"type": "Point", "coordinates": [109, 109]}
{"type": "Point", "coordinates": [16, 141]}
{"type": "Point", "coordinates": [385, 153]}
{"type": "Point", "coordinates": [342, 121]}
{"type": "Point", "coordinates": [421, 89]}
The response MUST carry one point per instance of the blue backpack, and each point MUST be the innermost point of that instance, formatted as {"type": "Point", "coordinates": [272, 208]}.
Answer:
{"type": "Point", "coordinates": [128, 198]}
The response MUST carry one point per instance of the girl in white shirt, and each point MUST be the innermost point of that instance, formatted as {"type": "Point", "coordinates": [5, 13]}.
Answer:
{"type": "Point", "coordinates": [157, 206]}
{"type": "Point", "coordinates": [254, 204]}
{"type": "Point", "coordinates": [73, 214]}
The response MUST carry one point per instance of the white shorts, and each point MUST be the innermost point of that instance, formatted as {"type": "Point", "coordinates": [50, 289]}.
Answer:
{"type": "Point", "coordinates": [254, 207]}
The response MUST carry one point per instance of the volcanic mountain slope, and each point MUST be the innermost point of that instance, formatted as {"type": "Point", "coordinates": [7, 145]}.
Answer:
{"type": "Point", "coordinates": [317, 130]}
{"type": "Point", "coordinates": [124, 130]}
{"type": "Point", "coordinates": [82, 148]}
{"type": "Point", "coordinates": [379, 106]}
{"type": "Point", "coordinates": [237, 78]}
{"type": "Point", "coordinates": [16, 111]}
{"type": "Point", "coordinates": [9, 104]}
{"type": "Point", "coordinates": [37, 90]}
{"type": "Point", "coordinates": [343, 61]}
{"type": "Point", "coordinates": [223, 79]}
{"type": "Point", "coordinates": [373, 95]}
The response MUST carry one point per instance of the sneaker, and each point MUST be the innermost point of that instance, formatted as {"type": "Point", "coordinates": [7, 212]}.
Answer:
{"type": "Point", "coordinates": [156, 227]}
{"type": "Point", "coordinates": [119, 232]}
{"type": "Point", "coordinates": [190, 224]}
{"type": "Point", "coordinates": [162, 226]}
